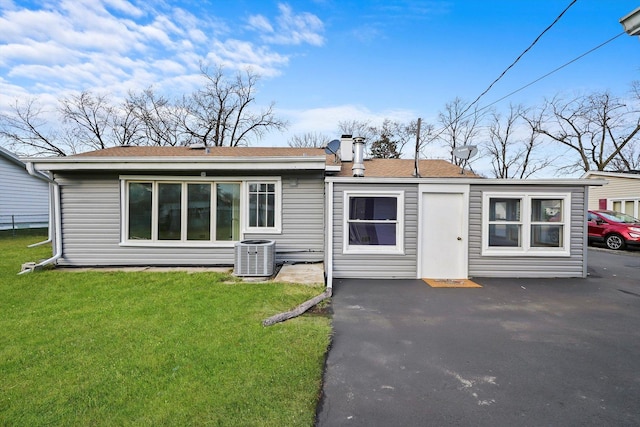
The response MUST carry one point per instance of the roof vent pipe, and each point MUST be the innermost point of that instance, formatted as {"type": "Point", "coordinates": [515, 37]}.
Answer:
{"type": "Point", "coordinates": [358, 156]}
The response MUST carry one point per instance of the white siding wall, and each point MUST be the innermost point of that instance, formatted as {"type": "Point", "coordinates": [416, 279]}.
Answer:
{"type": "Point", "coordinates": [517, 266]}
{"type": "Point", "coordinates": [91, 227]}
{"type": "Point", "coordinates": [618, 188]}
{"type": "Point", "coordinates": [22, 195]}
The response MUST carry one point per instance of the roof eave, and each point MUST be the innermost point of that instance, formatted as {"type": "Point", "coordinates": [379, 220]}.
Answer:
{"type": "Point", "coordinates": [611, 174]}
{"type": "Point", "coordinates": [179, 163]}
{"type": "Point", "coordinates": [467, 181]}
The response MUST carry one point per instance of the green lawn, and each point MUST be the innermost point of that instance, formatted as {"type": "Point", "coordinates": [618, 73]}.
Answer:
{"type": "Point", "coordinates": [98, 348]}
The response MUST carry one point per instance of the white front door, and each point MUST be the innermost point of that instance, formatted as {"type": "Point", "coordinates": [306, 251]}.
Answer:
{"type": "Point", "coordinates": [444, 235]}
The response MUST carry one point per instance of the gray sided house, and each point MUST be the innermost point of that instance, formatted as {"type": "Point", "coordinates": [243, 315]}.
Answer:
{"type": "Point", "coordinates": [179, 206]}
{"type": "Point", "coordinates": [191, 206]}
{"type": "Point", "coordinates": [24, 198]}
{"type": "Point", "coordinates": [622, 192]}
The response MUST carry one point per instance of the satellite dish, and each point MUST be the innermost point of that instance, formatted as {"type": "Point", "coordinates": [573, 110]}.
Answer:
{"type": "Point", "coordinates": [332, 147]}
{"type": "Point", "coordinates": [465, 152]}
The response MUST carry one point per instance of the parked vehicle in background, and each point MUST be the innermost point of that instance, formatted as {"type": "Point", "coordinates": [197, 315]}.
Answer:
{"type": "Point", "coordinates": [616, 230]}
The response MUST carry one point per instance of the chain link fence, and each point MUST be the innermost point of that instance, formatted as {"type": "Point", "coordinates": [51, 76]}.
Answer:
{"type": "Point", "coordinates": [15, 225]}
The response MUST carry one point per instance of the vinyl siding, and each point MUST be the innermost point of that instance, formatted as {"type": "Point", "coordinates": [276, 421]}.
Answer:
{"type": "Point", "coordinates": [91, 226]}
{"type": "Point", "coordinates": [618, 188]}
{"type": "Point", "coordinates": [523, 266]}
{"type": "Point", "coordinates": [23, 196]}
{"type": "Point", "coordinates": [381, 266]}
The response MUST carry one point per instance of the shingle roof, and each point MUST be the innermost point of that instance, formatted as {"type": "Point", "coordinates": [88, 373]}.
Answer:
{"type": "Point", "coordinates": [379, 168]}
{"type": "Point", "coordinates": [404, 168]}
{"type": "Point", "coordinates": [146, 151]}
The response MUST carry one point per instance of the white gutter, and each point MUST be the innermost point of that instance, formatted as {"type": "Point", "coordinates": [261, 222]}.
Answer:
{"type": "Point", "coordinates": [163, 163]}
{"type": "Point", "coordinates": [467, 181]}
{"type": "Point", "coordinates": [329, 253]}
{"type": "Point", "coordinates": [56, 222]}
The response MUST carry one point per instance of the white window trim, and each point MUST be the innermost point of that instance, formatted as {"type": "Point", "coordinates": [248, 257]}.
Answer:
{"type": "Point", "coordinates": [184, 180]}
{"type": "Point", "coordinates": [277, 228]}
{"type": "Point", "coordinates": [398, 249]}
{"type": "Point", "coordinates": [525, 221]}
{"type": "Point", "coordinates": [623, 201]}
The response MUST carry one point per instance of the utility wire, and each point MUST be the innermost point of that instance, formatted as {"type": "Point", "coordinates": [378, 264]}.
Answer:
{"type": "Point", "coordinates": [552, 71]}
{"type": "Point", "coordinates": [518, 58]}
{"type": "Point", "coordinates": [462, 116]}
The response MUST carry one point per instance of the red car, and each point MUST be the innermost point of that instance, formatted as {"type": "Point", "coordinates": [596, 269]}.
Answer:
{"type": "Point", "coordinates": [614, 229]}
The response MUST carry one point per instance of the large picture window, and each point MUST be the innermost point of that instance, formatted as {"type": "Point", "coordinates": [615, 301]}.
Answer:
{"type": "Point", "coordinates": [373, 222]}
{"type": "Point", "coordinates": [163, 211]}
{"type": "Point", "coordinates": [526, 224]}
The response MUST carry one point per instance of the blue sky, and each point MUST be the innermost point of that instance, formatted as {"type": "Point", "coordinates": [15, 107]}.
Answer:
{"type": "Point", "coordinates": [321, 61]}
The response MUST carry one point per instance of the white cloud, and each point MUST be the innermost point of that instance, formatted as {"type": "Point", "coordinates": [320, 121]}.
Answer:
{"type": "Point", "coordinates": [260, 23]}
{"type": "Point", "coordinates": [123, 6]}
{"type": "Point", "coordinates": [77, 44]}
{"type": "Point", "coordinates": [237, 54]}
{"type": "Point", "coordinates": [291, 28]}
{"type": "Point", "coordinates": [59, 47]}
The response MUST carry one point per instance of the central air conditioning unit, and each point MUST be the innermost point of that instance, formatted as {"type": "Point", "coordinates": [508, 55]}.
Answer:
{"type": "Point", "coordinates": [255, 258]}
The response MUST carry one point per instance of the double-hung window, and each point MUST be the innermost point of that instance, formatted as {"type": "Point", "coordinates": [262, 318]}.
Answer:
{"type": "Point", "coordinates": [262, 204]}
{"type": "Point", "coordinates": [526, 224]}
{"type": "Point", "coordinates": [191, 211]}
{"type": "Point", "coordinates": [373, 222]}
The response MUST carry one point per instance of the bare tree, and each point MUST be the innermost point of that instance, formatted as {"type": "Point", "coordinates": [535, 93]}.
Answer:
{"type": "Point", "coordinates": [512, 147]}
{"type": "Point", "coordinates": [393, 137]}
{"type": "Point", "coordinates": [629, 159]}
{"type": "Point", "coordinates": [220, 113]}
{"type": "Point", "coordinates": [309, 140]}
{"type": "Point", "coordinates": [598, 128]}
{"type": "Point", "coordinates": [158, 117]}
{"type": "Point", "coordinates": [459, 126]}
{"type": "Point", "coordinates": [361, 128]}
{"type": "Point", "coordinates": [411, 136]}
{"type": "Point", "coordinates": [91, 117]}
{"type": "Point", "coordinates": [28, 130]}
{"type": "Point", "coordinates": [128, 128]}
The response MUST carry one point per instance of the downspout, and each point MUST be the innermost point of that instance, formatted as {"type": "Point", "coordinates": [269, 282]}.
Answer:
{"type": "Point", "coordinates": [329, 234]}
{"type": "Point", "coordinates": [51, 225]}
{"type": "Point", "coordinates": [56, 222]}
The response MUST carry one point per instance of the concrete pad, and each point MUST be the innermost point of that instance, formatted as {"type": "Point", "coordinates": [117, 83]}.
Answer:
{"type": "Point", "coordinates": [147, 269]}
{"type": "Point", "coordinates": [310, 274]}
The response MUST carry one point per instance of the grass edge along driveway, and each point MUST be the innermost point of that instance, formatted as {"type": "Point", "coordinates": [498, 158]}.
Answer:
{"type": "Point", "coordinates": [98, 348]}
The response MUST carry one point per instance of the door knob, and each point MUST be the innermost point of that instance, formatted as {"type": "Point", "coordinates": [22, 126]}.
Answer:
{"type": "Point", "coordinates": [459, 238]}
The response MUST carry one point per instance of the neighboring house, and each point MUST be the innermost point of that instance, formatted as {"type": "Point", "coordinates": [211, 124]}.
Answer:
{"type": "Point", "coordinates": [622, 192]}
{"type": "Point", "coordinates": [190, 206]}
{"type": "Point", "coordinates": [24, 198]}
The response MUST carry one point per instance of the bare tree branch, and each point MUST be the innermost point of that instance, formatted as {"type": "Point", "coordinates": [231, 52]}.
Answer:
{"type": "Point", "coordinates": [597, 128]}
{"type": "Point", "coordinates": [309, 140]}
{"type": "Point", "coordinates": [512, 146]}
{"type": "Point", "coordinates": [27, 130]}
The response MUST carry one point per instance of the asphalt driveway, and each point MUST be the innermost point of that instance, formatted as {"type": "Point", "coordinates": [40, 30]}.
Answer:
{"type": "Point", "coordinates": [515, 352]}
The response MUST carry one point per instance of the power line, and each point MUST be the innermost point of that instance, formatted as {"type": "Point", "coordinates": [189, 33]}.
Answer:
{"type": "Point", "coordinates": [552, 71]}
{"type": "Point", "coordinates": [462, 115]}
{"type": "Point", "coordinates": [519, 57]}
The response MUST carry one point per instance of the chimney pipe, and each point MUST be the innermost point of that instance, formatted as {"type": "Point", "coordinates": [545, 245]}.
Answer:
{"type": "Point", "coordinates": [346, 148]}
{"type": "Point", "coordinates": [358, 156]}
